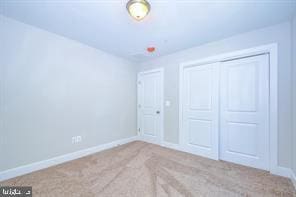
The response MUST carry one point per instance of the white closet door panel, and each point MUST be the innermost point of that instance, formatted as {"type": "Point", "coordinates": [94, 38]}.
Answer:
{"type": "Point", "coordinates": [200, 110]}
{"type": "Point", "coordinates": [244, 101]}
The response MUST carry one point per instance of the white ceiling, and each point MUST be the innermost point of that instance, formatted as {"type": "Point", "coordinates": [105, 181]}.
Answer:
{"type": "Point", "coordinates": [172, 25]}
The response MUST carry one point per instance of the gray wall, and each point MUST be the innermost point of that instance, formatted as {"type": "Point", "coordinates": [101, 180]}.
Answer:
{"type": "Point", "coordinates": [280, 34]}
{"type": "Point", "coordinates": [294, 92]}
{"type": "Point", "coordinates": [53, 88]}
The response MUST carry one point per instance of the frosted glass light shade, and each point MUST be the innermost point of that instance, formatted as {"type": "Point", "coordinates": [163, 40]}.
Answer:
{"type": "Point", "coordinates": [138, 9]}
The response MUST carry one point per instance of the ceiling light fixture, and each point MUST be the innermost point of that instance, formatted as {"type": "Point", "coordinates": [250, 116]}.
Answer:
{"type": "Point", "coordinates": [138, 9]}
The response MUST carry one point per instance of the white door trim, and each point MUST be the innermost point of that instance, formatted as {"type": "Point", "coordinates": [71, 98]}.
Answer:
{"type": "Point", "coordinates": [161, 71]}
{"type": "Point", "coordinates": [272, 50]}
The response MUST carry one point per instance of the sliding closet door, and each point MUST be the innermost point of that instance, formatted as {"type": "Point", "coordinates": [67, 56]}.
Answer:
{"type": "Point", "coordinates": [200, 110]}
{"type": "Point", "coordinates": [244, 100]}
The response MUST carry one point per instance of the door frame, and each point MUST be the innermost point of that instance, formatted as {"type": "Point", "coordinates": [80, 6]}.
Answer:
{"type": "Point", "coordinates": [139, 132]}
{"type": "Point", "coordinates": [272, 50]}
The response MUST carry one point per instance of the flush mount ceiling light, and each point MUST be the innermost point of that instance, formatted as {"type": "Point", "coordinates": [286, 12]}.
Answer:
{"type": "Point", "coordinates": [138, 9]}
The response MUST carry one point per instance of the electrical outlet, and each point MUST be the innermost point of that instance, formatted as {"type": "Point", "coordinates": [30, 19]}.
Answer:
{"type": "Point", "coordinates": [167, 103]}
{"type": "Point", "coordinates": [73, 140]}
{"type": "Point", "coordinates": [76, 139]}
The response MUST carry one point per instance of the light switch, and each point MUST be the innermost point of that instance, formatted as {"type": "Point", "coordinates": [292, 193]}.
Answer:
{"type": "Point", "coordinates": [167, 103]}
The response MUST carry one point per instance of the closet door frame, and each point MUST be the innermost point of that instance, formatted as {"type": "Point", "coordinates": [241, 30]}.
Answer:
{"type": "Point", "coordinates": [272, 51]}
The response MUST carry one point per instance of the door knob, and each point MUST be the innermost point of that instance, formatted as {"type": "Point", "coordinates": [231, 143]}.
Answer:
{"type": "Point", "coordinates": [158, 112]}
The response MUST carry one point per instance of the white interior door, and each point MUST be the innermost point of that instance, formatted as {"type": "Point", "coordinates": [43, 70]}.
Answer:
{"type": "Point", "coordinates": [244, 113]}
{"type": "Point", "coordinates": [150, 105]}
{"type": "Point", "coordinates": [200, 110]}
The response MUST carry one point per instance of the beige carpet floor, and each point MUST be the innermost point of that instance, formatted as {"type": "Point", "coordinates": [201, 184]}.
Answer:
{"type": "Point", "coordinates": [141, 169]}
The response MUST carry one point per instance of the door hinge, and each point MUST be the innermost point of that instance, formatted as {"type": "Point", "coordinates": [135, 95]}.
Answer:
{"type": "Point", "coordinates": [139, 82]}
{"type": "Point", "coordinates": [139, 130]}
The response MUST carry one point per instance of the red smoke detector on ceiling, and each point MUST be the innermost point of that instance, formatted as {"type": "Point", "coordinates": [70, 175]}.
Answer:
{"type": "Point", "coordinates": [151, 49]}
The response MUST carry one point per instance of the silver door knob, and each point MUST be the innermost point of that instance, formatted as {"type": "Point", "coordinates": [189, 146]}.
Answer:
{"type": "Point", "coordinates": [158, 112]}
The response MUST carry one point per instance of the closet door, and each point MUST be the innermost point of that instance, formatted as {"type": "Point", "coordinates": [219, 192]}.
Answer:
{"type": "Point", "coordinates": [200, 110]}
{"type": "Point", "coordinates": [244, 100]}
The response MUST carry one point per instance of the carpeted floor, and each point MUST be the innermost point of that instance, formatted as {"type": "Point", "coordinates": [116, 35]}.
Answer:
{"type": "Point", "coordinates": [140, 169]}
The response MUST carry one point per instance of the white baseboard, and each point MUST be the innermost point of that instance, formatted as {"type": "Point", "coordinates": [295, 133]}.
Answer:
{"type": "Point", "coordinates": [163, 144]}
{"type": "Point", "coordinates": [285, 172]}
{"type": "Point", "coordinates": [293, 178]}
{"type": "Point", "coordinates": [151, 141]}
{"type": "Point", "coordinates": [281, 171]}
{"type": "Point", "coordinates": [171, 145]}
{"type": "Point", "coordinates": [11, 173]}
